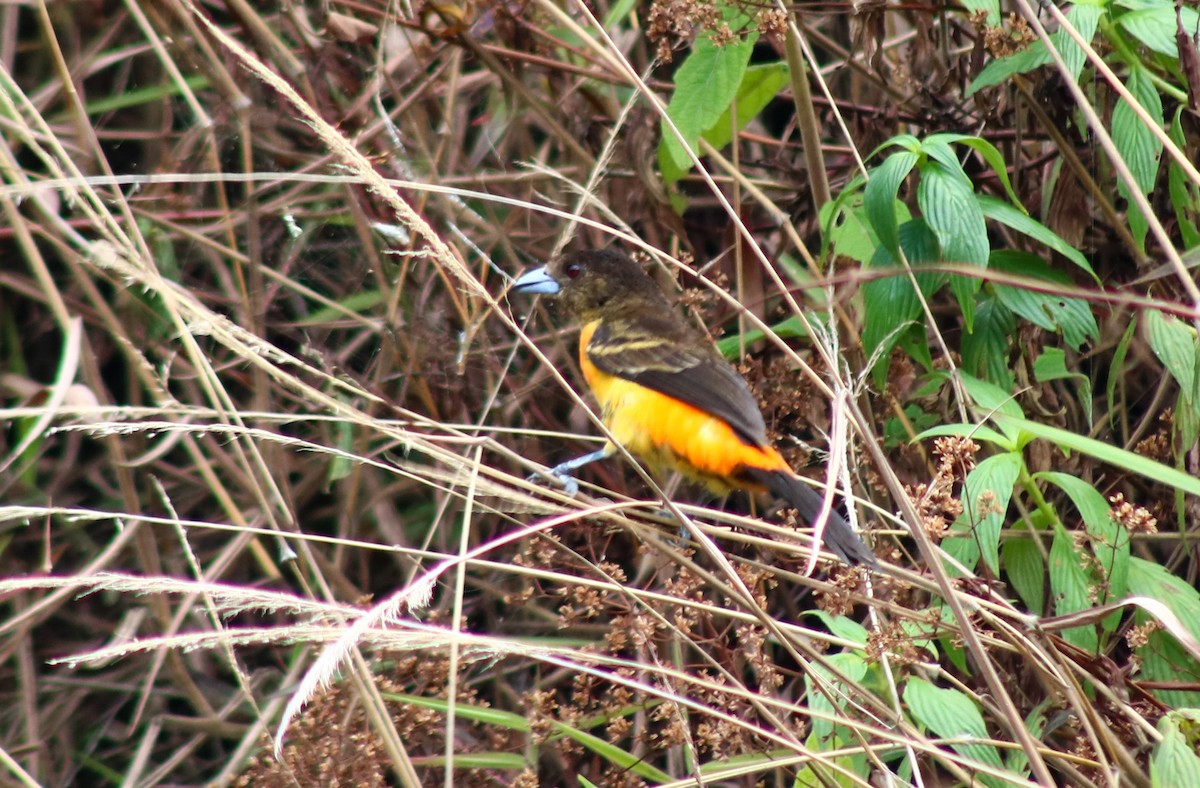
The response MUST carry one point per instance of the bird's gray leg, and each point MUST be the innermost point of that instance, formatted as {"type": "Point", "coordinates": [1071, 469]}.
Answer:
{"type": "Point", "coordinates": [563, 471]}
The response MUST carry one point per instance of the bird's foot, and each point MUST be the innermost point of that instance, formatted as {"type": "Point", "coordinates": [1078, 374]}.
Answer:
{"type": "Point", "coordinates": [562, 475]}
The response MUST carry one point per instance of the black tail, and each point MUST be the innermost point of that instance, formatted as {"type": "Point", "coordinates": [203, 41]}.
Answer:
{"type": "Point", "coordinates": [838, 537]}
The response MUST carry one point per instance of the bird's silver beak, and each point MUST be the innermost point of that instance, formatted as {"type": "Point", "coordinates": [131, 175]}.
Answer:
{"type": "Point", "coordinates": [536, 281]}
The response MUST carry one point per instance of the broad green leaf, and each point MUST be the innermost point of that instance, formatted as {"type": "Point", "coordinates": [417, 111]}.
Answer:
{"type": "Point", "coordinates": [1185, 195]}
{"type": "Point", "coordinates": [1026, 572]}
{"type": "Point", "coordinates": [1163, 659]}
{"type": "Point", "coordinates": [989, 154]}
{"type": "Point", "coordinates": [986, 495]}
{"type": "Point", "coordinates": [1103, 451]}
{"type": "Point", "coordinates": [842, 627]}
{"type": "Point", "coordinates": [760, 84]}
{"type": "Point", "coordinates": [953, 715]}
{"type": "Point", "coordinates": [705, 85]}
{"type": "Point", "coordinates": [1174, 760]}
{"type": "Point", "coordinates": [1048, 310]}
{"type": "Point", "coordinates": [1051, 364]}
{"type": "Point", "coordinates": [990, 400]}
{"type": "Point", "coordinates": [895, 432]}
{"type": "Point", "coordinates": [915, 343]}
{"type": "Point", "coordinates": [890, 303]}
{"type": "Point", "coordinates": [1174, 343]}
{"type": "Point", "coordinates": [979, 432]}
{"type": "Point", "coordinates": [854, 667]}
{"type": "Point", "coordinates": [986, 350]}
{"type": "Point", "coordinates": [992, 7]}
{"type": "Point", "coordinates": [949, 206]}
{"type": "Point", "coordinates": [937, 147]}
{"type": "Point", "coordinates": [879, 198]}
{"type": "Point", "coordinates": [1002, 212]}
{"type": "Point", "coordinates": [851, 233]}
{"type": "Point", "coordinates": [1147, 578]}
{"type": "Point", "coordinates": [1138, 146]}
{"type": "Point", "coordinates": [1002, 70]}
{"type": "Point", "coordinates": [1083, 17]}
{"type": "Point", "coordinates": [1110, 541]}
{"type": "Point", "coordinates": [1155, 26]}
{"type": "Point", "coordinates": [788, 328]}
{"type": "Point", "coordinates": [1070, 586]}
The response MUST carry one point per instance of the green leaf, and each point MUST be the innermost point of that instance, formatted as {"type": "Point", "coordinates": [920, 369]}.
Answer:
{"type": "Point", "coordinates": [1174, 343]}
{"type": "Point", "coordinates": [992, 7]}
{"type": "Point", "coordinates": [613, 754]}
{"type": "Point", "coordinates": [950, 208]}
{"type": "Point", "coordinates": [1110, 540]}
{"type": "Point", "coordinates": [842, 627]}
{"type": "Point", "coordinates": [1002, 70]}
{"type": "Point", "coordinates": [953, 715]}
{"type": "Point", "coordinates": [1070, 585]}
{"type": "Point", "coordinates": [988, 399]}
{"type": "Point", "coordinates": [1083, 17]}
{"type": "Point", "coordinates": [986, 495]}
{"type": "Point", "coordinates": [1002, 212]}
{"type": "Point", "coordinates": [986, 350]}
{"type": "Point", "coordinates": [705, 85]}
{"type": "Point", "coordinates": [1051, 364]}
{"type": "Point", "coordinates": [485, 715]}
{"type": "Point", "coordinates": [1163, 659]}
{"type": "Point", "coordinates": [1185, 195]}
{"type": "Point", "coordinates": [759, 85]}
{"type": "Point", "coordinates": [1166, 662]}
{"type": "Point", "coordinates": [1048, 310]}
{"type": "Point", "coordinates": [788, 328]}
{"type": "Point", "coordinates": [147, 95]}
{"type": "Point", "coordinates": [1026, 572]}
{"type": "Point", "coordinates": [356, 303]}
{"type": "Point", "coordinates": [853, 667]}
{"type": "Point", "coordinates": [850, 233]}
{"type": "Point", "coordinates": [1103, 451]}
{"type": "Point", "coordinates": [1155, 27]}
{"type": "Point", "coordinates": [1147, 578]}
{"type": "Point", "coordinates": [618, 11]}
{"type": "Point", "coordinates": [988, 152]}
{"type": "Point", "coordinates": [1174, 760]}
{"type": "Point", "coordinates": [1138, 146]}
{"type": "Point", "coordinates": [890, 304]}
{"type": "Point", "coordinates": [879, 198]}
{"type": "Point", "coordinates": [1116, 370]}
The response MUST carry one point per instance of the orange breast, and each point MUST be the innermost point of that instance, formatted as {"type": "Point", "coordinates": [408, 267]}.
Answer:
{"type": "Point", "coordinates": [668, 434]}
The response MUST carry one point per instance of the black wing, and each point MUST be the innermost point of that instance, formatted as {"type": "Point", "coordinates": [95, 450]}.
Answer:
{"type": "Point", "coordinates": [685, 366]}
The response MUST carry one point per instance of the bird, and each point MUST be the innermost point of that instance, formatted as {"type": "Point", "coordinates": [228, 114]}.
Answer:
{"type": "Point", "coordinates": [665, 392]}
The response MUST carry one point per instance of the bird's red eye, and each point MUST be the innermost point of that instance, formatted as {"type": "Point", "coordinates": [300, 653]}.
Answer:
{"type": "Point", "coordinates": [573, 270]}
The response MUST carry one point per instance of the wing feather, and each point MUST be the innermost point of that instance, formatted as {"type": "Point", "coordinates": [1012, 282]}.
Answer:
{"type": "Point", "coordinates": [682, 367]}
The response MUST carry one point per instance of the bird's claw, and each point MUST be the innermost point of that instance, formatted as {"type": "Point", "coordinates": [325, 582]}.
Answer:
{"type": "Point", "coordinates": [569, 484]}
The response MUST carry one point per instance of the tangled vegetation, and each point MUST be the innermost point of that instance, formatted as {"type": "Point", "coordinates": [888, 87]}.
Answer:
{"type": "Point", "coordinates": [268, 417]}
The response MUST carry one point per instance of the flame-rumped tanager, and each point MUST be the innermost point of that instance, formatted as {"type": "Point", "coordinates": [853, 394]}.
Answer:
{"type": "Point", "coordinates": [667, 395]}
